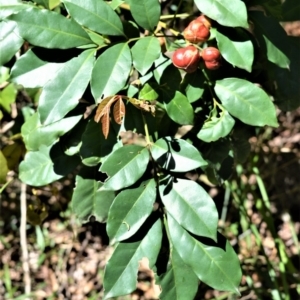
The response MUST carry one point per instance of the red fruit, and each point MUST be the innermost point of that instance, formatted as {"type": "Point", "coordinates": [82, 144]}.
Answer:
{"type": "Point", "coordinates": [211, 57]}
{"type": "Point", "coordinates": [205, 20]}
{"type": "Point", "coordinates": [196, 32]}
{"type": "Point", "coordinates": [186, 58]}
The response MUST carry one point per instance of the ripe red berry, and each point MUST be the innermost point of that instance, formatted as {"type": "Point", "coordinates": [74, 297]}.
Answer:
{"type": "Point", "coordinates": [205, 20]}
{"type": "Point", "coordinates": [196, 32]}
{"type": "Point", "coordinates": [186, 58]}
{"type": "Point", "coordinates": [211, 57]}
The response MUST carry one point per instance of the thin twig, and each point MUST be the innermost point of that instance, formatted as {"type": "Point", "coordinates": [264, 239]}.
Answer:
{"type": "Point", "coordinates": [23, 241]}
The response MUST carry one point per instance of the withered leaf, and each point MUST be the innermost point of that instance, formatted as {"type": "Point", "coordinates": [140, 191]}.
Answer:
{"type": "Point", "coordinates": [104, 105]}
{"type": "Point", "coordinates": [105, 122]}
{"type": "Point", "coordinates": [119, 110]}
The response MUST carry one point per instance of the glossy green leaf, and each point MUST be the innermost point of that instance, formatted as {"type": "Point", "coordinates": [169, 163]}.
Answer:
{"type": "Point", "coordinates": [191, 206]}
{"type": "Point", "coordinates": [10, 41]}
{"type": "Point", "coordinates": [272, 38]}
{"type": "Point", "coordinates": [216, 264]}
{"type": "Point", "coordinates": [114, 4]}
{"type": "Point", "coordinates": [96, 15]}
{"type": "Point", "coordinates": [48, 29]}
{"type": "Point", "coordinates": [46, 165]}
{"type": "Point", "coordinates": [144, 52]}
{"type": "Point", "coordinates": [35, 134]}
{"type": "Point", "coordinates": [176, 155]}
{"type": "Point", "coordinates": [216, 127]}
{"type": "Point", "coordinates": [179, 282]}
{"type": "Point", "coordinates": [111, 71]}
{"type": "Point", "coordinates": [145, 12]}
{"type": "Point", "coordinates": [193, 85]}
{"type": "Point", "coordinates": [7, 97]}
{"type": "Point", "coordinates": [179, 109]}
{"type": "Point", "coordinates": [61, 94]}
{"type": "Point", "coordinates": [246, 101]}
{"type": "Point", "coordinates": [148, 92]}
{"type": "Point", "coordinates": [239, 54]}
{"type": "Point", "coordinates": [89, 199]}
{"type": "Point", "coordinates": [31, 72]}
{"type": "Point", "coordinates": [9, 7]}
{"type": "Point", "coordinates": [226, 12]}
{"type": "Point", "coordinates": [125, 166]}
{"type": "Point", "coordinates": [129, 211]}
{"type": "Point", "coordinates": [120, 277]}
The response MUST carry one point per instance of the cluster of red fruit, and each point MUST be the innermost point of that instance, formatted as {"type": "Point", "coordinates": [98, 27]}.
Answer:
{"type": "Point", "coordinates": [188, 58]}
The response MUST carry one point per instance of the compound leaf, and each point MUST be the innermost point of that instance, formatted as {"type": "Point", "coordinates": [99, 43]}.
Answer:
{"type": "Point", "coordinates": [125, 166]}
{"type": "Point", "coordinates": [48, 29]}
{"type": "Point", "coordinates": [32, 72]}
{"type": "Point", "coordinates": [129, 211]}
{"type": "Point", "coordinates": [239, 54]}
{"type": "Point", "coordinates": [96, 15]}
{"type": "Point", "coordinates": [89, 199]}
{"type": "Point", "coordinates": [10, 41]}
{"type": "Point", "coordinates": [120, 277]}
{"type": "Point", "coordinates": [145, 12]}
{"type": "Point", "coordinates": [46, 165]}
{"type": "Point", "coordinates": [216, 264]}
{"type": "Point", "coordinates": [191, 206]}
{"type": "Point", "coordinates": [144, 52]}
{"type": "Point", "coordinates": [35, 134]}
{"type": "Point", "coordinates": [176, 155]}
{"type": "Point", "coordinates": [226, 12]}
{"type": "Point", "coordinates": [246, 101]}
{"type": "Point", "coordinates": [179, 282]}
{"type": "Point", "coordinates": [216, 127]}
{"type": "Point", "coordinates": [111, 71]}
{"type": "Point", "coordinates": [61, 94]}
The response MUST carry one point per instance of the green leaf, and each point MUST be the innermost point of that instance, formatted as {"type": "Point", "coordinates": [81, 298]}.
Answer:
{"type": "Point", "coordinates": [246, 101]}
{"type": "Point", "coordinates": [239, 54]}
{"type": "Point", "coordinates": [31, 72]}
{"type": "Point", "coordinates": [148, 92]}
{"type": "Point", "coordinates": [145, 12]}
{"type": "Point", "coordinates": [120, 275]}
{"type": "Point", "coordinates": [46, 165]}
{"type": "Point", "coordinates": [176, 155]}
{"type": "Point", "coordinates": [48, 29]}
{"type": "Point", "coordinates": [191, 206]}
{"type": "Point", "coordinates": [193, 85]}
{"type": "Point", "coordinates": [216, 127]}
{"type": "Point", "coordinates": [7, 97]}
{"type": "Point", "coordinates": [179, 109]}
{"type": "Point", "coordinates": [125, 166]}
{"type": "Point", "coordinates": [89, 199]}
{"type": "Point", "coordinates": [216, 264]}
{"type": "Point", "coordinates": [96, 15]}
{"type": "Point", "coordinates": [144, 52]}
{"type": "Point", "coordinates": [35, 134]}
{"type": "Point", "coordinates": [9, 7]}
{"type": "Point", "coordinates": [10, 41]}
{"type": "Point", "coordinates": [61, 94]}
{"type": "Point", "coordinates": [272, 38]}
{"type": "Point", "coordinates": [129, 211]}
{"type": "Point", "coordinates": [179, 282]}
{"type": "Point", "coordinates": [111, 71]}
{"type": "Point", "coordinates": [231, 13]}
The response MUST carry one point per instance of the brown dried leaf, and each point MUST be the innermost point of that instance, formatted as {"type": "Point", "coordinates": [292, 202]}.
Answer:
{"type": "Point", "coordinates": [104, 106]}
{"type": "Point", "coordinates": [119, 111]}
{"type": "Point", "coordinates": [143, 105]}
{"type": "Point", "coordinates": [105, 122]}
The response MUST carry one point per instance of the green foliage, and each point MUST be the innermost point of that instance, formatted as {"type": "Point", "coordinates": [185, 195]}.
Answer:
{"type": "Point", "coordinates": [141, 154]}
